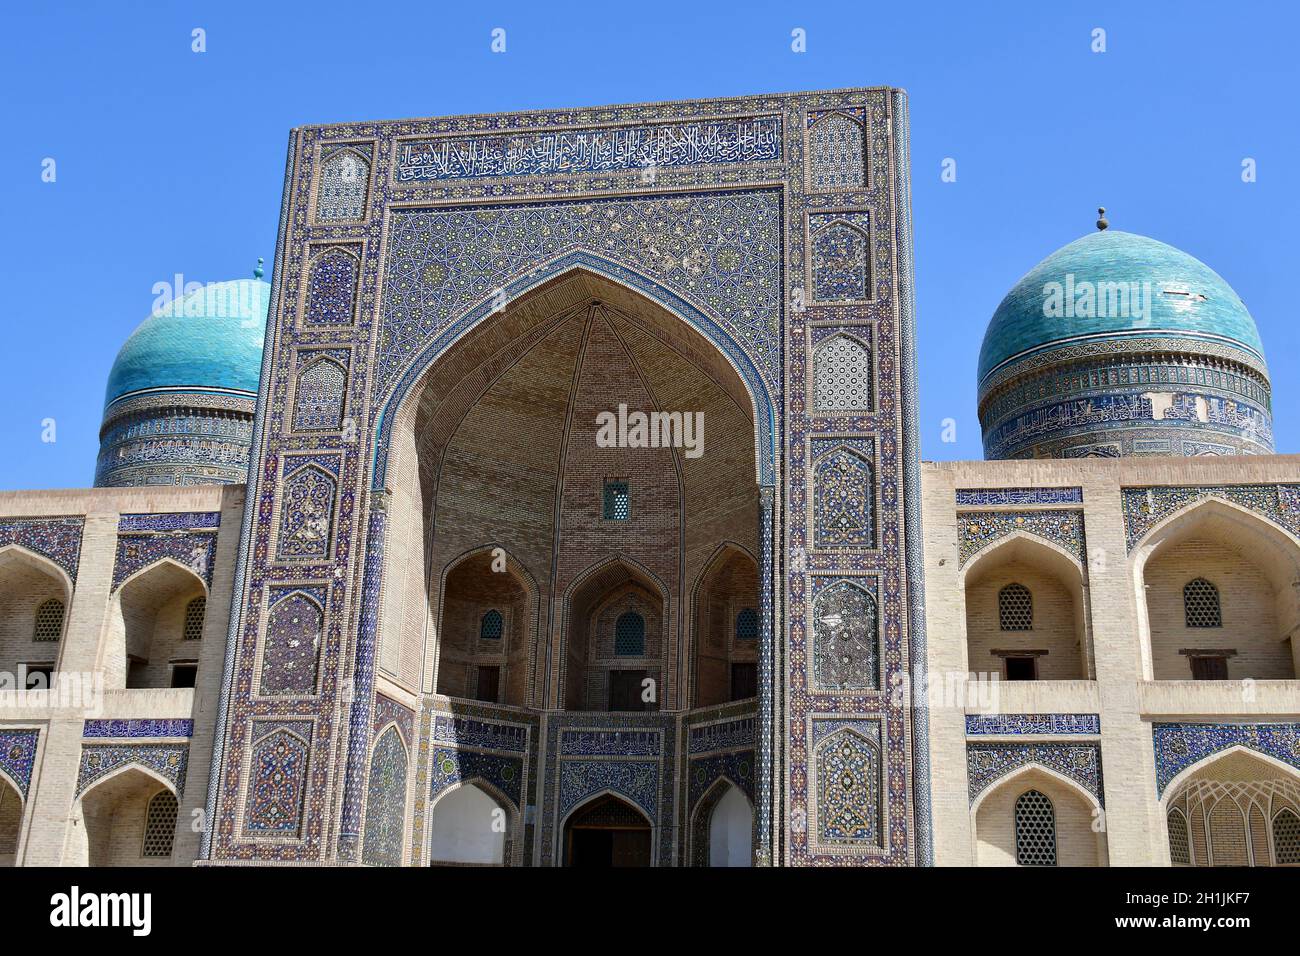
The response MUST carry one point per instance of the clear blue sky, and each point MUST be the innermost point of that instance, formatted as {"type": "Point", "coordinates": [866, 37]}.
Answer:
{"type": "Point", "coordinates": [171, 161]}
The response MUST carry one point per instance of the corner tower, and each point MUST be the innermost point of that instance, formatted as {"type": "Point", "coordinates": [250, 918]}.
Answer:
{"type": "Point", "coordinates": [179, 405]}
{"type": "Point", "coordinates": [1118, 345]}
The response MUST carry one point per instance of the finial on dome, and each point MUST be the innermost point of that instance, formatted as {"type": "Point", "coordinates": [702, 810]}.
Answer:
{"type": "Point", "coordinates": [259, 271]}
{"type": "Point", "coordinates": [1103, 222]}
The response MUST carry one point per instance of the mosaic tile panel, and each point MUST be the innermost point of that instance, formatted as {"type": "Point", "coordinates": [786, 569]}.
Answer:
{"type": "Point", "coordinates": [386, 801]}
{"type": "Point", "coordinates": [845, 636]}
{"type": "Point", "coordinates": [318, 396]}
{"type": "Point", "coordinates": [58, 539]}
{"type": "Point", "coordinates": [169, 761]}
{"type": "Point", "coordinates": [977, 530]}
{"type": "Point", "coordinates": [1144, 508]}
{"type": "Point", "coordinates": [291, 652]}
{"type": "Point", "coordinates": [635, 780]}
{"type": "Point", "coordinates": [847, 766]}
{"type": "Point", "coordinates": [842, 373]}
{"type": "Point", "coordinates": [344, 183]}
{"type": "Point", "coordinates": [468, 732]}
{"type": "Point", "coordinates": [277, 783]}
{"type": "Point", "coordinates": [450, 766]}
{"type": "Point", "coordinates": [704, 738]}
{"type": "Point", "coordinates": [136, 551]}
{"type": "Point", "coordinates": [988, 763]}
{"type": "Point", "coordinates": [992, 497]}
{"type": "Point", "coordinates": [18, 756]}
{"type": "Point", "coordinates": [138, 727]}
{"type": "Point", "coordinates": [841, 260]}
{"type": "Point", "coordinates": [307, 515]}
{"type": "Point", "coordinates": [703, 772]}
{"type": "Point", "coordinates": [844, 490]}
{"type": "Point", "coordinates": [836, 159]}
{"type": "Point", "coordinates": [1045, 725]}
{"type": "Point", "coordinates": [1179, 746]}
{"type": "Point", "coordinates": [593, 150]}
{"type": "Point", "coordinates": [388, 711]}
{"type": "Point", "coordinates": [332, 288]}
{"type": "Point", "coordinates": [171, 521]}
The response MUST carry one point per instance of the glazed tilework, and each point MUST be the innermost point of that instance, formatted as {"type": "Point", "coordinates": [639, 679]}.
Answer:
{"type": "Point", "coordinates": [592, 150]}
{"type": "Point", "coordinates": [388, 711]}
{"type": "Point", "coordinates": [307, 516]}
{"type": "Point", "coordinates": [705, 738]}
{"type": "Point", "coordinates": [845, 493]}
{"type": "Point", "coordinates": [841, 257]}
{"type": "Point", "coordinates": [988, 763]}
{"type": "Point", "coordinates": [977, 530]}
{"type": "Point", "coordinates": [722, 245]}
{"type": "Point", "coordinates": [992, 497]}
{"type": "Point", "coordinates": [169, 761]}
{"type": "Point", "coordinates": [842, 373]}
{"type": "Point", "coordinates": [836, 159]}
{"type": "Point", "coordinates": [702, 773]}
{"type": "Point", "coordinates": [319, 393]}
{"type": "Point", "coordinates": [1179, 746]}
{"type": "Point", "coordinates": [58, 539]}
{"type": "Point", "coordinates": [138, 550]}
{"type": "Point", "coordinates": [294, 628]}
{"type": "Point", "coordinates": [172, 521]}
{"type": "Point", "coordinates": [846, 764]}
{"type": "Point", "coordinates": [451, 766]}
{"type": "Point", "coordinates": [332, 288]}
{"type": "Point", "coordinates": [138, 727]}
{"type": "Point", "coordinates": [1144, 508]}
{"type": "Point", "coordinates": [1045, 725]}
{"type": "Point", "coordinates": [277, 781]}
{"type": "Point", "coordinates": [846, 635]}
{"type": "Point", "coordinates": [386, 801]}
{"type": "Point", "coordinates": [18, 756]}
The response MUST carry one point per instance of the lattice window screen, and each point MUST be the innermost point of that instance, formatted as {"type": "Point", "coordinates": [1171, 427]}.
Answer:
{"type": "Point", "coordinates": [1286, 838]}
{"type": "Point", "coordinates": [629, 635]}
{"type": "Point", "coordinates": [1035, 830]}
{"type": "Point", "coordinates": [195, 611]}
{"type": "Point", "coordinates": [1180, 853]}
{"type": "Point", "coordinates": [1201, 604]}
{"type": "Point", "coordinates": [49, 621]}
{"type": "Point", "coordinates": [1015, 608]}
{"type": "Point", "coordinates": [160, 825]}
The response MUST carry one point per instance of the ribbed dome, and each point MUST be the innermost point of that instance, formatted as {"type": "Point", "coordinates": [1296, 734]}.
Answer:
{"type": "Point", "coordinates": [1118, 345]}
{"type": "Point", "coordinates": [1188, 298]}
{"type": "Point", "coordinates": [209, 340]}
{"type": "Point", "coordinates": [179, 405]}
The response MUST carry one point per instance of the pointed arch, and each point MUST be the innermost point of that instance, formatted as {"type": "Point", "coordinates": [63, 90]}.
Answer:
{"type": "Point", "coordinates": [385, 820]}
{"type": "Point", "coordinates": [330, 299]}
{"type": "Point", "coordinates": [145, 624]}
{"type": "Point", "coordinates": [717, 656]}
{"type": "Point", "coordinates": [343, 187]}
{"type": "Point", "coordinates": [841, 262]}
{"type": "Point", "coordinates": [1269, 552]}
{"type": "Point", "coordinates": [836, 154]}
{"type": "Point", "coordinates": [295, 630]}
{"type": "Point", "coordinates": [306, 527]}
{"type": "Point", "coordinates": [277, 783]}
{"type": "Point", "coordinates": [842, 374]}
{"type": "Point", "coordinates": [318, 396]}
{"type": "Point", "coordinates": [1075, 810]}
{"type": "Point", "coordinates": [114, 815]}
{"type": "Point", "coordinates": [464, 827]}
{"type": "Point", "coordinates": [845, 637]}
{"type": "Point", "coordinates": [725, 842]}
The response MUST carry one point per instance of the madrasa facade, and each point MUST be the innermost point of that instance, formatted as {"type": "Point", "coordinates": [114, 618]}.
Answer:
{"type": "Point", "coordinates": [559, 502]}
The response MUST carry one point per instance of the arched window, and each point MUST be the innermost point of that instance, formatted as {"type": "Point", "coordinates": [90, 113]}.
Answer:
{"type": "Point", "coordinates": [629, 635]}
{"type": "Point", "coordinates": [1201, 604]}
{"type": "Point", "coordinates": [160, 825]}
{"type": "Point", "coordinates": [1180, 853]}
{"type": "Point", "coordinates": [1035, 830]}
{"type": "Point", "coordinates": [194, 613]}
{"type": "Point", "coordinates": [1015, 608]}
{"type": "Point", "coordinates": [344, 181]}
{"type": "Point", "coordinates": [842, 375]}
{"type": "Point", "coordinates": [49, 621]}
{"type": "Point", "coordinates": [747, 624]}
{"type": "Point", "coordinates": [1286, 838]}
{"type": "Point", "coordinates": [492, 626]}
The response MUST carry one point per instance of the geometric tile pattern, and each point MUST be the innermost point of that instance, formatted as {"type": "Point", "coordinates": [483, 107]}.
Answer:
{"type": "Point", "coordinates": [135, 550]}
{"type": "Point", "coordinates": [1146, 507]}
{"type": "Point", "coordinates": [986, 763]}
{"type": "Point", "coordinates": [979, 529]}
{"type": "Point", "coordinates": [318, 399]}
{"type": "Point", "coordinates": [292, 646]}
{"type": "Point", "coordinates": [58, 539]}
{"type": "Point", "coordinates": [841, 264]}
{"type": "Point", "coordinates": [18, 755]}
{"type": "Point", "coordinates": [278, 778]}
{"type": "Point", "coordinates": [846, 759]}
{"type": "Point", "coordinates": [835, 156]}
{"type": "Point", "coordinates": [345, 178]}
{"type": "Point", "coordinates": [842, 374]}
{"type": "Point", "coordinates": [167, 760]}
{"type": "Point", "coordinates": [332, 288]}
{"type": "Point", "coordinates": [845, 494]}
{"type": "Point", "coordinates": [1179, 745]}
{"type": "Point", "coordinates": [386, 801]}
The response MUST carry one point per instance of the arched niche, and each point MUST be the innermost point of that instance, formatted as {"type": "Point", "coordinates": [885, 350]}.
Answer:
{"type": "Point", "coordinates": [1079, 840]}
{"type": "Point", "coordinates": [608, 831]}
{"type": "Point", "coordinates": [112, 823]}
{"type": "Point", "coordinates": [11, 821]}
{"type": "Point", "coordinates": [29, 583]}
{"type": "Point", "coordinates": [1056, 643]}
{"type": "Point", "coordinates": [724, 644]}
{"type": "Point", "coordinates": [722, 827]}
{"type": "Point", "coordinates": [144, 642]}
{"type": "Point", "coordinates": [1252, 564]}
{"type": "Point", "coordinates": [469, 826]}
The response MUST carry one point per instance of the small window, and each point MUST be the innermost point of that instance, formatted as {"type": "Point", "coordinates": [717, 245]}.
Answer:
{"type": "Point", "coordinates": [744, 681]}
{"type": "Point", "coordinates": [1035, 830]}
{"type": "Point", "coordinates": [618, 505]}
{"type": "Point", "coordinates": [160, 825]}
{"type": "Point", "coordinates": [1201, 604]}
{"type": "Point", "coordinates": [40, 676]}
{"type": "Point", "coordinates": [1213, 667]}
{"type": "Point", "coordinates": [1286, 838]}
{"type": "Point", "coordinates": [1022, 668]}
{"type": "Point", "coordinates": [492, 626]}
{"type": "Point", "coordinates": [629, 635]}
{"type": "Point", "coordinates": [194, 613]}
{"type": "Point", "coordinates": [1015, 608]}
{"type": "Point", "coordinates": [747, 625]}
{"type": "Point", "coordinates": [184, 675]}
{"type": "Point", "coordinates": [1180, 853]}
{"type": "Point", "coordinates": [489, 684]}
{"type": "Point", "coordinates": [625, 688]}
{"type": "Point", "coordinates": [49, 621]}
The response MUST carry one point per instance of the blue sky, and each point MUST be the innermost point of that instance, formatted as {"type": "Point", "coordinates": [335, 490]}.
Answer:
{"type": "Point", "coordinates": [171, 161]}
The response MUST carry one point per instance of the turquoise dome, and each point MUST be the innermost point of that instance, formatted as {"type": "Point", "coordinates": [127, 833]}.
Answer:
{"type": "Point", "coordinates": [1188, 299]}
{"type": "Point", "coordinates": [209, 340]}
{"type": "Point", "coordinates": [182, 393]}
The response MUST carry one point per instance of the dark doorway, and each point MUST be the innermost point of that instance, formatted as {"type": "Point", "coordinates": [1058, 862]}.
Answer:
{"type": "Point", "coordinates": [607, 832]}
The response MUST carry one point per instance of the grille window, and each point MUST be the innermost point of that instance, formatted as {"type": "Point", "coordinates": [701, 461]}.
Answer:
{"type": "Point", "coordinates": [194, 613]}
{"type": "Point", "coordinates": [1286, 838]}
{"type": "Point", "coordinates": [618, 504]}
{"type": "Point", "coordinates": [629, 635]}
{"type": "Point", "coordinates": [49, 621]}
{"type": "Point", "coordinates": [1035, 830]}
{"type": "Point", "coordinates": [1201, 604]}
{"type": "Point", "coordinates": [1180, 853]}
{"type": "Point", "coordinates": [747, 625]}
{"type": "Point", "coordinates": [1015, 608]}
{"type": "Point", "coordinates": [492, 626]}
{"type": "Point", "coordinates": [160, 825]}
